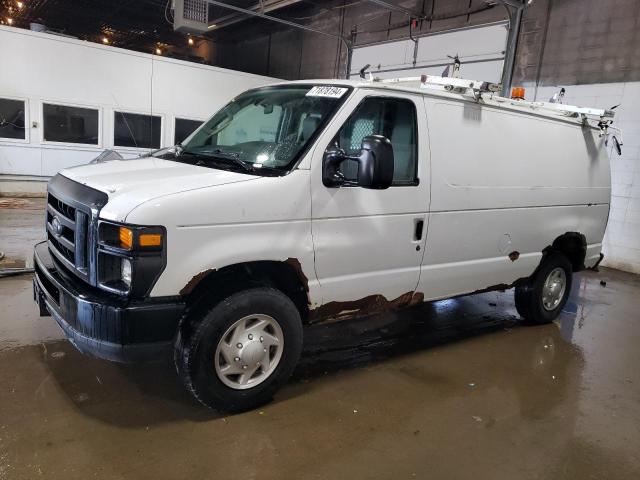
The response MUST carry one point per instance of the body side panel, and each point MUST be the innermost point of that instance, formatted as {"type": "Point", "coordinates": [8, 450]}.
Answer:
{"type": "Point", "coordinates": [505, 185]}
{"type": "Point", "coordinates": [475, 249]}
{"type": "Point", "coordinates": [211, 228]}
{"type": "Point", "coordinates": [487, 158]}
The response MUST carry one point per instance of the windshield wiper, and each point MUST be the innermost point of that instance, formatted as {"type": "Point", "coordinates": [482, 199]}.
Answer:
{"type": "Point", "coordinates": [219, 154]}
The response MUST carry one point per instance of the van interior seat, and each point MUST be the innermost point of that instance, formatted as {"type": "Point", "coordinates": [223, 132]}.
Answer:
{"type": "Point", "coordinates": [403, 149]}
{"type": "Point", "coordinates": [309, 126]}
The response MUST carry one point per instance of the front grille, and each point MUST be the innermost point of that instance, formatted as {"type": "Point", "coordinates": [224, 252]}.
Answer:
{"type": "Point", "coordinates": [67, 234]}
{"type": "Point", "coordinates": [67, 210]}
{"type": "Point", "coordinates": [71, 223]}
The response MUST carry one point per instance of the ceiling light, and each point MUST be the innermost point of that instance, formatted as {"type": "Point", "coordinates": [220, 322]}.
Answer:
{"type": "Point", "coordinates": [105, 40]}
{"type": "Point", "coordinates": [158, 51]}
{"type": "Point", "coordinates": [190, 41]}
{"type": "Point", "coordinates": [212, 25]}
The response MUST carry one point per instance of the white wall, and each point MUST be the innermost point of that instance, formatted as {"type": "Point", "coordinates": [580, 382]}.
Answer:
{"type": "Point", "coordinates": [41, 68]}
{"type": "Point", "coordinates": [480, 48]}
{"type": "Point", "coordinates": [622, 239]}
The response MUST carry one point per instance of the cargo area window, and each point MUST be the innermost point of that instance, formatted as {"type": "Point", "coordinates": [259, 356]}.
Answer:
{"type": "Point", "coordinates": [395, 119]}
{"type": "Point", "coordinates": [183, 128]}
{"type": "Point", "coordinates": [12, 119]}
{"type": "Point", "coordinates": [63, 123]}
{"type": "Point", "coordinates": [136, 130]}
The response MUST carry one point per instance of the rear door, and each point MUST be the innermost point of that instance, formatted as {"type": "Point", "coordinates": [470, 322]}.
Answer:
{"type": "Point", "coordinates": [370, 242]}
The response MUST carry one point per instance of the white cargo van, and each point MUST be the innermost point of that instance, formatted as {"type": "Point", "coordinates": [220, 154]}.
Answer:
{"type": "Point", "coordinates": [307, 201]}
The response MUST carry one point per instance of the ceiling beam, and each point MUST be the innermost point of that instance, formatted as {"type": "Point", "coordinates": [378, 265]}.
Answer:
{"type": "Point", "coordinates": [346, 41]}
{"type": "Point", "coordinates": [398, 8]}
{"type": "Point", "coordinates": [264, 6]}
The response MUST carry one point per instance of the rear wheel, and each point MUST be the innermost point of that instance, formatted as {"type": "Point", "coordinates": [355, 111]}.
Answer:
{"type": "Point", "coordinates": [234, 355]}
{"type": "Point", "coordinates": [541, 299]}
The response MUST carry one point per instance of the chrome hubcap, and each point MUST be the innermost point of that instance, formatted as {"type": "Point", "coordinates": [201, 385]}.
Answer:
{"type": "Point", "coordinates": [249, 351]}
{"type": "Point", "coordinates": [553, 289]}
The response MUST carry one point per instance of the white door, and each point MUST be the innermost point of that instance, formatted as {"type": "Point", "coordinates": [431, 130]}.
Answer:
{"type": "Point", "coordinates": [370, 242]}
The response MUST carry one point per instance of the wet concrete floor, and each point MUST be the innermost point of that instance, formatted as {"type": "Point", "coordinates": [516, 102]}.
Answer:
{"type": "Point", "coordinates": [456, 389]}
{"type": "Point", "coordinates": [21, 226]}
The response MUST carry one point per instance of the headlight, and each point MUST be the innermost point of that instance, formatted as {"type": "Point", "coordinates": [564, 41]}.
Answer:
{"type": "Point", "coordinates": [125, 271]}
{"type": "Point", "coordinates": [131, 238]}
{"type": "Point", "coordinates": [130, 257]}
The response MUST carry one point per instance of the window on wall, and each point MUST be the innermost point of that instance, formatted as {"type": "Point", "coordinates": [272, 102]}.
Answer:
{"type": "Point", "coordinates": [184, 128]}
{"type": "Point", "coordinates": [395, 119]}
{"type": "Point", "coordinates": [12, 119]}
{"type": "Point", "coordinates": [62, 123]}
{"type": "Point", "coordinates": [136, 130]}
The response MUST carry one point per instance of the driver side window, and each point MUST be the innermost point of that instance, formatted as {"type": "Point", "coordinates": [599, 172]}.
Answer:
{"type": "Point", "coordinates": [393, 118]}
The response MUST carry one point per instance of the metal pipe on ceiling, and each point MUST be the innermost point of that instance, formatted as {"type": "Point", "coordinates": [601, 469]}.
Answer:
{"type": "Point", "coordinates": [279, 20]}
{"type": "Point", "coordinates": [513, 3]}
{"type": "Point", "coordinates": [398, 8]}
{"type": "Point", "coordinates": [264, 6]}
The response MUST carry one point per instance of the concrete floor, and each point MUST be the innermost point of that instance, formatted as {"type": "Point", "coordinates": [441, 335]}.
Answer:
{"type": "Point", "coordinates": [21, 226]}
{"type": "Point", "coordinates": [456, 389]}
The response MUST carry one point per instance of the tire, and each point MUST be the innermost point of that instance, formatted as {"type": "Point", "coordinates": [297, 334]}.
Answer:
{"type": "Point", "coordinates": [206, 349]}
{"type": "Point", "coordinates": [530, 302]}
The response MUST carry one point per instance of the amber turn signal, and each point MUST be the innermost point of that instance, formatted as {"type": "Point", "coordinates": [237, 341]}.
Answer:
{"type": "Point", "coordinates": [150, 240]}
{"type": "Point", "coordinates": [517, 93]}
{"type": "Point", "coordinates": [126, 238]}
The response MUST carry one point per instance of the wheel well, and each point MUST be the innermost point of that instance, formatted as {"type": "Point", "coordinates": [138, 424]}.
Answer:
{"type": "Point", "coordinates": [285, 276]}
{"type": "Point", "coordinates": [572, 245]}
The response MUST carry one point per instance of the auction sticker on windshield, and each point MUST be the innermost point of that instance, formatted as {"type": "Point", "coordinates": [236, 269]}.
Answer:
{"type": "Point", "coordinates": [326, 91]}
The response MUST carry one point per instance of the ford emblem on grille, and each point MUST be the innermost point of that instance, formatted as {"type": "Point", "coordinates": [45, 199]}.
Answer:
{"type": "Point", "coordinates": [57, 226]}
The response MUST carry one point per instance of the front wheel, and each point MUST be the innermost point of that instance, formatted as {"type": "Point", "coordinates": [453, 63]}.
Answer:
{"type": "Point", "coordinates": [541, 299]}
{"type": "Point", "coordinates": [234, 355]}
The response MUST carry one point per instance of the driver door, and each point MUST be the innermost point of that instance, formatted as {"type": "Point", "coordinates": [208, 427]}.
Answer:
{"type": "Point", "coordinates": [370, 242]}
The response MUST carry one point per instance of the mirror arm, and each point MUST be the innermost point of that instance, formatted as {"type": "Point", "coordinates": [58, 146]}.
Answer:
{"type": "Point", "coordinates": [333, 177]}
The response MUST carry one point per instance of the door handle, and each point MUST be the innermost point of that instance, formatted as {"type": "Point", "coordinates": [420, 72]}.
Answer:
{"type": "Point", "coordinates": [419, 227]}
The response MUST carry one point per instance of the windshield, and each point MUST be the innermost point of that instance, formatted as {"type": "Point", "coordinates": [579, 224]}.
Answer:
{"type": "Point", "coordinates": [266, 128]}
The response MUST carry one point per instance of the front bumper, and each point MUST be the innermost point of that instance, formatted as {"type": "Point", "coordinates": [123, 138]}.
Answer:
{"type": "Point", "coordinates": [101, 324]}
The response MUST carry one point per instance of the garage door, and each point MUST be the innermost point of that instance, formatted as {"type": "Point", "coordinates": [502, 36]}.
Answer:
{"type": "Point", "coordinates": [481, 51]}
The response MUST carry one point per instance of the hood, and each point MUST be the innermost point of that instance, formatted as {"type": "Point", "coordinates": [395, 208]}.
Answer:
{"type": "Point", "coordinates": [129, 183]}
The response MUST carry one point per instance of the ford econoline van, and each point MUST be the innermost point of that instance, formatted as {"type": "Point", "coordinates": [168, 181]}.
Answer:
{"type": "Point", "coordinates": [310, 201]}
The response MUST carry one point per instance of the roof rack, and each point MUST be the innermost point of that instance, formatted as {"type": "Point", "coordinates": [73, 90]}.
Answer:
{"type": "Point", "coordinates": [450, 84]}
{"type": "Point", "coordinates": [476, 88]}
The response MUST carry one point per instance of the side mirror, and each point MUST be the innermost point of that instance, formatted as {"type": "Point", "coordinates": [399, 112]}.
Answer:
{"type": "Point", "coordinates": [375, 165]}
